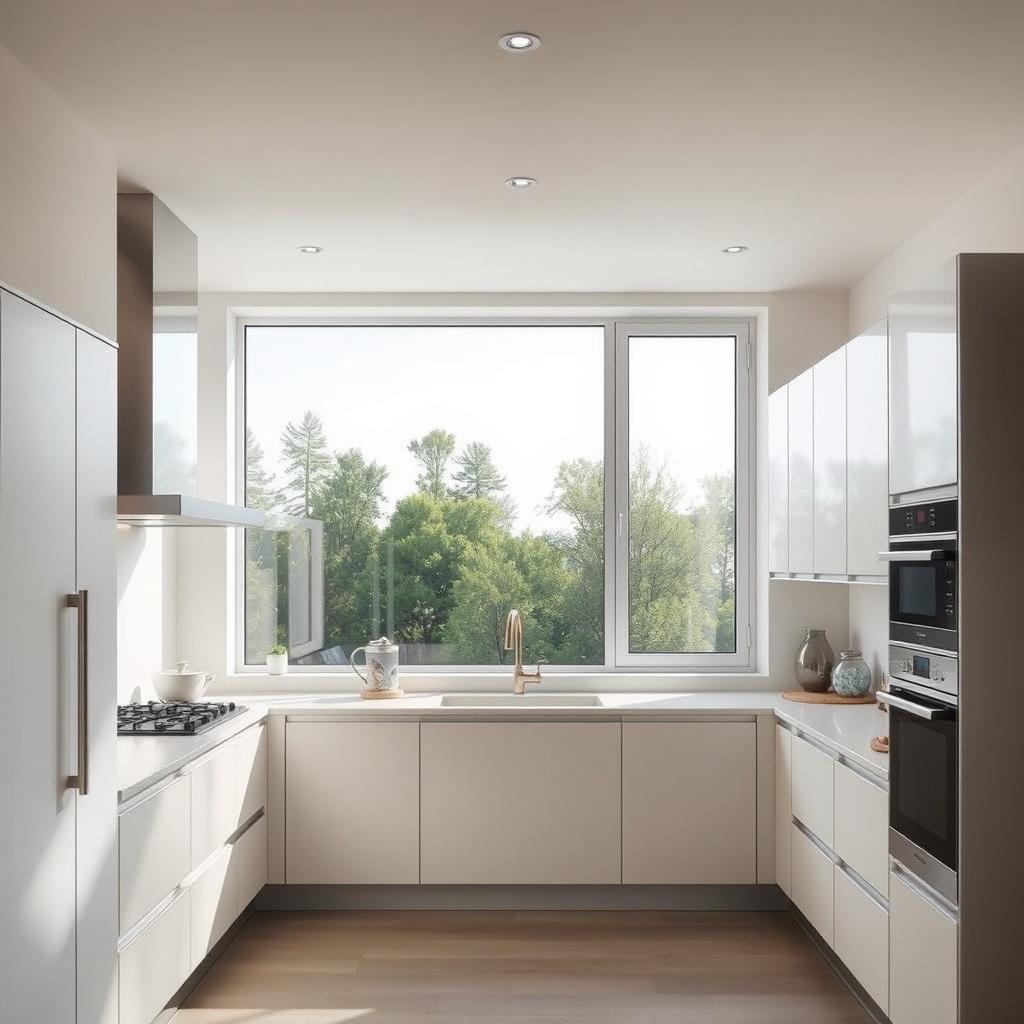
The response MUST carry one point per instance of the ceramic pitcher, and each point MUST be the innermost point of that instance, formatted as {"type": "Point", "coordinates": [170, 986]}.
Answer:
{"type": "Point", "coordinates": [381, 664]}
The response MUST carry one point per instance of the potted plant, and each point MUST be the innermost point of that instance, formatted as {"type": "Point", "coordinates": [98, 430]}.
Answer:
{"type": "Point", "coordinates": [277, 660]}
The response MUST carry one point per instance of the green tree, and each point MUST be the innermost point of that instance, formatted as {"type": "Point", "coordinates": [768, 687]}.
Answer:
{"type": "Point", "coordinates": [259, 484]}
{"type": "Point", "coordinates": [432, 452]}
{"type": "Point", "coordinates": [477, 476]}
{"type": "Point", "coordinates": [306, 461]}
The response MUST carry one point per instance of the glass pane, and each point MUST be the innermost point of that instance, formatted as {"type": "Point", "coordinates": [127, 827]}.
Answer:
{"type": "Point", "coordinates": [458, 472]}
{"type": "Point", "coordinates": [682, 495]}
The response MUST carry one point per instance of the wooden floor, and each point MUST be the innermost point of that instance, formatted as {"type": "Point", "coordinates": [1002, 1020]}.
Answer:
{"type": "Point", "coordinates": [424, 967]}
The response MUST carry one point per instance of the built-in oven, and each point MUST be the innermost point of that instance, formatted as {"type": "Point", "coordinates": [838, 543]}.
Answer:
{"type": "Point", "coordinates": [922, 559]}
{"type": "Point", "coordinates": [923, 760]}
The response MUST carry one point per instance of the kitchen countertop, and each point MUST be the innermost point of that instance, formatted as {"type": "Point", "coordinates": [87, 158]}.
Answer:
{"type": "Point", "coordinates": [144, 760]}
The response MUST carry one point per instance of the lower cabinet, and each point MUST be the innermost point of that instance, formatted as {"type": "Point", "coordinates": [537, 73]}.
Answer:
{"type": "Point", "coordinates": [519, 803]}
{"type": "Point", "coordinates": [352, 792]}
{"type": "Point", "coordinates": [153, 967]}
{"type": "Point", "coordinates": [689, 803]}
{"type": "Point", "coordinates": [862, 826]}
{"type": "Point", "coordinates": [862, 936]}
{"type": "Point", "coordinates": [783, 809]}
{"type": "Point", "coordinates": [249, 862]}
{"type": "Point", "coordinates": [922, 956]}
{"type": "Point", "coordinates": [814, 884]}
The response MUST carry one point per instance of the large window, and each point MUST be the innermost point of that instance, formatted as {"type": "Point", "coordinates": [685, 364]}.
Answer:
{"type": "Point", "coordinates": [594, 476]}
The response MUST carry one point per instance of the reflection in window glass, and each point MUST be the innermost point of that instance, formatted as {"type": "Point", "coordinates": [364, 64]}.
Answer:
{"type": "Point", "coordinates": [682, 495]}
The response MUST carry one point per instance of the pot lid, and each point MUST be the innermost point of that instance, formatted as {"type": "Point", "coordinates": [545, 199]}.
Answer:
{"type": "Point", "coordinates": [381, 643]}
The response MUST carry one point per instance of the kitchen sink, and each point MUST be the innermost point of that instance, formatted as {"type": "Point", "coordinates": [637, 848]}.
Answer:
{"type": "Point", "coordinates": [528, 700]}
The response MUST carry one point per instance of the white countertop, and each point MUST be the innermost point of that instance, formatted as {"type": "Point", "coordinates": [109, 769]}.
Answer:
{"type": "Point", "coordinates": [145, 760]}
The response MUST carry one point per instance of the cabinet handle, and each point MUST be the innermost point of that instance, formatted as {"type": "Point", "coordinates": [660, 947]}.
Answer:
{"type": "Point", "coordinates": [81, 602]}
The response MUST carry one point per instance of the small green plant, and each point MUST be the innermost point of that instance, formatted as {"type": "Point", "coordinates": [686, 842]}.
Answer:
{"type": "Point", "coordinates": [278, 649]}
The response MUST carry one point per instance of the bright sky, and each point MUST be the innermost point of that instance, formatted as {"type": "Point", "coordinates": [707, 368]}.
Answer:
{"type": "Point", "coordinates": [535, 395]}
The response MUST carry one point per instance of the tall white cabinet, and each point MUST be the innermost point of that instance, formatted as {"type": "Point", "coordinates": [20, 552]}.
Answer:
{"type": "Point", "coordinates": [800, 523]}
{"type": "Point", "coordinates": [830, 465]}
{"type": "Point", "coordinates": [58, 888]}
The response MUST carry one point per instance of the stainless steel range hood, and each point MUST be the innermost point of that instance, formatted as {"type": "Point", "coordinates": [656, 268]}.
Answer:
{"type": "Point", "coordinates": [157, 291]}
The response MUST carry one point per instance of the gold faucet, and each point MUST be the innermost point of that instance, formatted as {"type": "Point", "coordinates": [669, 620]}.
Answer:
{"type": "Point", "coordinates": [514, 642]}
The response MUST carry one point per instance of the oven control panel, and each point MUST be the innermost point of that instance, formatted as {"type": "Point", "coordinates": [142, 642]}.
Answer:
{"type": "Point", "coordinates": [936, 671]}
{"type": "Point", "coordinates": [926, 517]}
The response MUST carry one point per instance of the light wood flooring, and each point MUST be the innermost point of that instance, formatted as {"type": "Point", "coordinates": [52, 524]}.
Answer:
{"type": "Point", "coordinates": [503, 967]}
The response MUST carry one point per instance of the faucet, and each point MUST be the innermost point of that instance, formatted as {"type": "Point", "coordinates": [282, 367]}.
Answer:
{"type": "Point", "coordinates": [514, 642]}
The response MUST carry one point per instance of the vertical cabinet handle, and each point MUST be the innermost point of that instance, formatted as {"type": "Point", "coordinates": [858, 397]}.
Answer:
{"type": "Point", "coordinates": [81, 602]}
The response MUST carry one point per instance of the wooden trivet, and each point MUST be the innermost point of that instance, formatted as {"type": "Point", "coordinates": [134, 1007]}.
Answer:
{"type": "Point", "coordinates": [381, 694]}
{"type": "Point", "coordinates": [880, 744]}
{"type": "Point", "coordinates": [829, 697]}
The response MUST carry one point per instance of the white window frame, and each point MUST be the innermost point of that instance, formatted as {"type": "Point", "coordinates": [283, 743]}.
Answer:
{"type": "Point", "coordinates": [617, 657]}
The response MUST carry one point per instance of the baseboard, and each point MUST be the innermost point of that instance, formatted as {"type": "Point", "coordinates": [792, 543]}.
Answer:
{"type": "Point", "coordinates": [838, 967]}
{"type": "Point", "coordinates": [521, 897]}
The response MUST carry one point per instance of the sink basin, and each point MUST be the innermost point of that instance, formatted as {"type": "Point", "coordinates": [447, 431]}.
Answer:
{"type": "Point", "coordinates": [528, 700]}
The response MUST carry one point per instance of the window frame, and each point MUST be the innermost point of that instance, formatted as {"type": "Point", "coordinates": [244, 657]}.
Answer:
{"type": "Point", "coordinates": [616, 654]}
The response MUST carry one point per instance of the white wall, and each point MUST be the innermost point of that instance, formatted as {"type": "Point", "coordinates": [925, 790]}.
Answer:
{"type": "Point", "coordinates": [869, 626]}
{"type": "Point", "coordinates": [58, 196]}
{"type": "Point", "coordinates": [989, 217]}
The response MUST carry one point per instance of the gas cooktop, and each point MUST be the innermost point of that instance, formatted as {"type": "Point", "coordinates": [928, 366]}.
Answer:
{"type": "Point", "coordinates": [175, 718]}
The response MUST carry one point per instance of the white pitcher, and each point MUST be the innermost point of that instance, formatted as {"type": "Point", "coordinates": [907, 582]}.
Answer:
{"type": "Point", "coordinates": [381, 667]}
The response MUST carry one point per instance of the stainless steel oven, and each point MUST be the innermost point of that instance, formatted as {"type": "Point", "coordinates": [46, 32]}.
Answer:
{"type": "Point", "coordinates": [923, 765]}
{"type": "Point", "coordinates": [922, 559]}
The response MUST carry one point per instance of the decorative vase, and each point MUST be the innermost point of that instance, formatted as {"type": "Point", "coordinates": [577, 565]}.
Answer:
{"type": "Point", "coordinates": [277, 664]}
{"type": "Point", "coordinates": [851, 677]}
{"type": "Point", "coordinates": [814, 662]}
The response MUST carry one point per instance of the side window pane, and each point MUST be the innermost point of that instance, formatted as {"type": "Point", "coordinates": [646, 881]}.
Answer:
{"type": "Point", "coordinates": [682, 495]}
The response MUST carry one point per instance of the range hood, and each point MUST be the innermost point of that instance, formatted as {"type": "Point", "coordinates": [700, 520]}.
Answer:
{"type": "Point", "coordinates": [157, 295]}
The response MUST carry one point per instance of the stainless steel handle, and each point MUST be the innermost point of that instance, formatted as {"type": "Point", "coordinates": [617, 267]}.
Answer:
{"type": "Point", "coordinates": [918, 710]}
{"type": "Point", "coordinates": [938, 555]}
{"type": "Point", "coordinates": [622, 523]}
{"type": "Point", "coordinates": [81, 602]}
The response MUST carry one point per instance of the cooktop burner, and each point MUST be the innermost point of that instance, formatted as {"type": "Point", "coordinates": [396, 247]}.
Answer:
{"type": "Point", "coordinates": [175, 718]}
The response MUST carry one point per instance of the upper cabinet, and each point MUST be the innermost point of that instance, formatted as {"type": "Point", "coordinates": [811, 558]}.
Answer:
{"type": "Point", "coordinates": [923, 386]}
{"type": "Point", "coordinates": [828, 465]}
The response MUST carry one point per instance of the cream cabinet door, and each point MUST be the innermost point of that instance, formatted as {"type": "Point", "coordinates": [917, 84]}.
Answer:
{"type": "Point", "coordinates": [814, 884]}
{"type": "Point", "coordinates": [813, 795]}
{"type": "Point", "coordinates": [153, 967]}
{"type": "Point", "coordinates": [214, 905]}
{"type": "Point", "coordinates": [922, 957]}
{"type": "Point", "coordinates": [352, 803]}
{"type": "Point", "coordinates": [862, 826]}
{"type": "Point", "coordinates": [783, 808]}
{"type": "Point", "coordinates": [867, 452]}
{"type": "Point", "coordinates": [215, 801]}
{"type": "Point", "coordinates": [778, 480]}
{"type": "Point", "coordinates": [251, 751]}
{"type": "Point", "coordinates": [689, 803]}
{"type": "Point", "coordinates": [830, 464]}
{"type": "Point", "coordinates": [801, 473]}
{"type": "Point", "coordinates": [520, 803]}
{"type": "Point", "coordinates": [862, 936]}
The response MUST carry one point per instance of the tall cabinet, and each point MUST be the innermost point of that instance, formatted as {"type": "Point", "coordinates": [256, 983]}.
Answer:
{"type": "Point", "coordinates": [58, 896]}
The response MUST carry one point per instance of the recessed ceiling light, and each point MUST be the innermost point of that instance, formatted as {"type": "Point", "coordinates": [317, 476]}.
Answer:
{"type": "Point", "coordinates": [519, 42]}
{"type": "Point", "coordinates": [520, 182]}
{"type": "Point", "coordinates": [310, 250]}
{"type": "Point", "coordinates": [735, 248]}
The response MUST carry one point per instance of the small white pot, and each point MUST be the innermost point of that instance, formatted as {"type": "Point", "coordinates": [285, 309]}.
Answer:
{"type": "Point", "coordinates": [277, 664]}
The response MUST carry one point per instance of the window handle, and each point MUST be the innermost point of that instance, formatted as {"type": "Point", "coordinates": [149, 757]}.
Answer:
{"type": "Point", "coordinates": [622, 522]}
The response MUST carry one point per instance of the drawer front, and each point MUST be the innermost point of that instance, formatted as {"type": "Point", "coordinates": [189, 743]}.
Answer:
{"type": "Point", "coordinates": [862, 937]}
{"type": "Point", "coordinates": [252, 772]}
{"type": "Point", "coordinates": [214, 802]}
{"type": "Point", "coordinates": [813, 799]}
{"type": "Point", "coordinates": [862, 827]}
{"type": "Point", "coordinates": [153, 967]}
{"type": "Point", "coordinates": [214, 905]}
{"type": "Point", "coordinates": [783, 808]}
{"type": "Point", "coordinates": [814, 885]}
{"type": "Point", "coordinates": [249, 862]}
{"type": "Point", "coordinates": [153, 851]}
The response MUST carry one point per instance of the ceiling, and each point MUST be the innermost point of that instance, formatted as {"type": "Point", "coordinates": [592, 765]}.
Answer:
{"type": "Point", "coordinates": [820, 133]}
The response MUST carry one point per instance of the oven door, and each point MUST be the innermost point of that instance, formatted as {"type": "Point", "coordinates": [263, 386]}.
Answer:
{"type": "Point", "coordinates": [923, 787]}
{"type": "Point", "coordinates": [923, 593]}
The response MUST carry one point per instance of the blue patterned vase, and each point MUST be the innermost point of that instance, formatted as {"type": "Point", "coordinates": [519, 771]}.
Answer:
{"type": "Point", "coordinates": [851, 677]}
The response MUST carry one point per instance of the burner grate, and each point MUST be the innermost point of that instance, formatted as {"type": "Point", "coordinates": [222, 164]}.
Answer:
{"type": "Point", "coordinates": [174, 718]}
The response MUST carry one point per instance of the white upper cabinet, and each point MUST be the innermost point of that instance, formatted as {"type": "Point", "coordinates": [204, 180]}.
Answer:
{"type": "Point", "coordinates": [923, 387]}
{"type": "Point", "coordinates": [801, 473]}
{"type": "Point", "coordinates": [778, 480]}
{"type": "Point", "coordinates": [867, 452]}
{"type": "Point", "coordinates": [829, 460]}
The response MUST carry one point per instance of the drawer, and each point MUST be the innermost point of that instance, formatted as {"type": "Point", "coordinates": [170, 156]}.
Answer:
{"type": "Point", "coordinates": [249, 862]}
{"type": "Point", "coordinates": [153, 851]}
{"type": "Point", "coordinates": [862, 937]}
{"type": "Point", "coordinates": [214, 905]}
{"type": "Point", "coordinates": [862, 827]}
{"type": "Point", "coordinates": [251, 752]}
{"type": "Point", "coordinates": [214, 802]}
{"type": "Point", "coordinates": [814, 885]}
{"type": "Point", "coordinates": [154, 966]}
{"type": "Point", "coordinates": [813, 798]}
{"type": "Point", "coordinates": [783, 807]}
